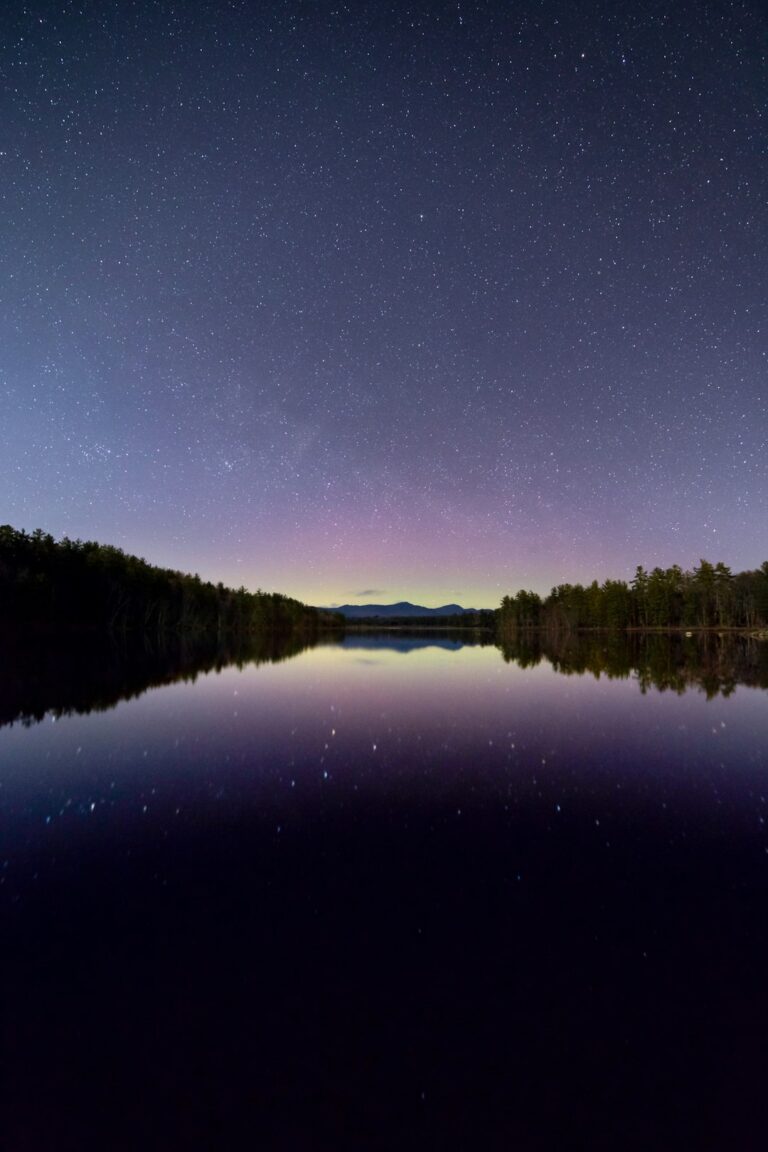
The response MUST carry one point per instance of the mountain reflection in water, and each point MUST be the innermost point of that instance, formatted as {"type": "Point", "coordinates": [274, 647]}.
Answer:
{"type": "Point", "coordinates": [64, 677]}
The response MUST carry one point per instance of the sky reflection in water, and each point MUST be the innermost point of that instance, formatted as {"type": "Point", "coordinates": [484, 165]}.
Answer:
{"type": "Point", "coordinates": [377, 715]}
{"type": "Point", "coordinates": [385, 894]}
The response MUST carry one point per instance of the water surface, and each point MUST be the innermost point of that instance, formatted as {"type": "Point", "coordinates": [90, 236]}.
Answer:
{"type": "Point", "coordinates": [387, 891]}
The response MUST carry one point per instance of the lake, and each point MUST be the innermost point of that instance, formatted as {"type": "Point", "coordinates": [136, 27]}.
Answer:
{"type": "Point", "coordinates": [385, 892]}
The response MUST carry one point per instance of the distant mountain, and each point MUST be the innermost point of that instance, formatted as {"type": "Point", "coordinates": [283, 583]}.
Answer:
{"type": "Point", "coordinates": [403, 608]}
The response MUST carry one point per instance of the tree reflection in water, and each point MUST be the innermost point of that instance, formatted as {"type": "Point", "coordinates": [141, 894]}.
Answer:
{"type": "Point", "coordinates": [707, 662]}
{"type": "Point", "coordinates": [64, 676]}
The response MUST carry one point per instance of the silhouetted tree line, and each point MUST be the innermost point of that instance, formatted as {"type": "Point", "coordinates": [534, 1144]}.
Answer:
{"type": "Point", "coordinates": [711, 596]}
{"type": "Point", "coordinates": [48, 585]}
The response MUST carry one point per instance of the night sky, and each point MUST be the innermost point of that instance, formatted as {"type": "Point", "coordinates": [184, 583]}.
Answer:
{"type": "Point", "coordinates": [386, 301]}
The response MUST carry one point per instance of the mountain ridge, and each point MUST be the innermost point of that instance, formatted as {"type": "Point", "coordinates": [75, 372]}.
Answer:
{"type": "Point", "coordinates": [401, 608]}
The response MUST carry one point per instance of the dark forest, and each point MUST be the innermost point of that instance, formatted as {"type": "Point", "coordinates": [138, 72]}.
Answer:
{"type": "Point", "coordinates": [50, 586]}
{"type": "Point", "coordinates": [711, 596]}
{"type": "Point", "coordinates": [54, 586]}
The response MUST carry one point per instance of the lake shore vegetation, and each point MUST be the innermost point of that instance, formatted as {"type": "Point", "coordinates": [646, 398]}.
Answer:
{"type": "Point", "coordinates": [710, 596]}
{"type": "Point", "coordinates": [49, 586]}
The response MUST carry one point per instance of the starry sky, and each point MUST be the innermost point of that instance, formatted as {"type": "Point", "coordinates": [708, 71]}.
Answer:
{"type": "Point", "coordinates": [382, 301]}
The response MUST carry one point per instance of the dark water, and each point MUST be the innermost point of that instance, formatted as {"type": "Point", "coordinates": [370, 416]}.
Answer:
{"type": "Point", "coordinates": [396, 892]}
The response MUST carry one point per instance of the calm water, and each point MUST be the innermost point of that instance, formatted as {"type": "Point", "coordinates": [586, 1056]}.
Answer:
{"type": "Point", "coordinates": [386, 893]}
